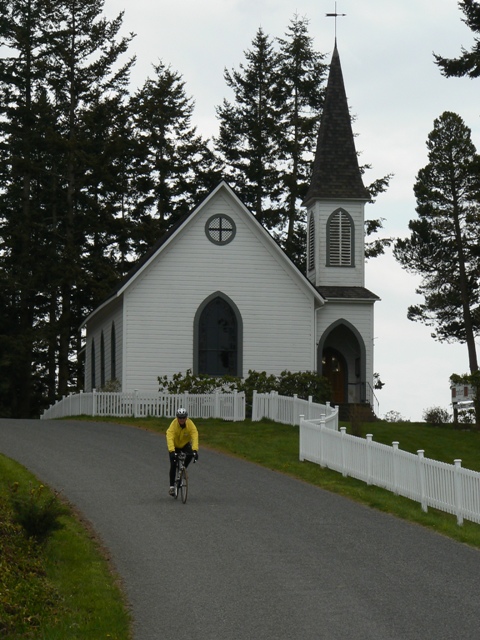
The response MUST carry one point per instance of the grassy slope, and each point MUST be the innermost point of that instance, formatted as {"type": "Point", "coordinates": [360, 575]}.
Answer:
{"type": "Point", "coordinates": [63, 589]}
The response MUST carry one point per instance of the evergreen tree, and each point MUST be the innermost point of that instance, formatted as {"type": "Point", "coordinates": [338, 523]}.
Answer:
{"type": "Point", "coordinates": [85, 80]}
{"type": "Point", "coordinates": [443, 247]}
{"type": "Point", "coordinates": [268, 135]}
{"type": "Point", "coordinates": [302, 75]}
{"type": "Point", "coordinates": [60, 84]}
{"type": "Point", "coordinates": [468, 64]}
{"type": "Point", "coordinates": [250, 131]}
{"type": "Point", "coordinates": [24, 116]}
{"type": "Point", "coordinates": [173, 165]}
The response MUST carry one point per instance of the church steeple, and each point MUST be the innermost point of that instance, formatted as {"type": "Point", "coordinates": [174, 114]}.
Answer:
{"type": "Point", "coordinates": [336, 174]}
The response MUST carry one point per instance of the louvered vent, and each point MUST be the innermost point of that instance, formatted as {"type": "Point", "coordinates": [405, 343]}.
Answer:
{"type": "Point", "coordinates": [340, 239]}
{"type": "Point", "coordinates": [311, 244]}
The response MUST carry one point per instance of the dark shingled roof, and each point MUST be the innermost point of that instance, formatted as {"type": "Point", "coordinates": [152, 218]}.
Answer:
{"type": "Point", "coordinates": [335, 169]}
{"type": "Point", "coordinates": [347, 293]}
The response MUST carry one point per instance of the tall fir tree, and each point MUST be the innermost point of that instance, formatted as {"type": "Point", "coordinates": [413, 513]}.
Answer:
{"type": "Point", "coordinates": [443, 246]}
{"type": "Point", "coordinates": [302, 74]}
{"type": "Point", "coordinates": [468, 63]}
{"type": "Point", "coordinates": [60, 82]}
{"type": "Point", "coordinates": [24, 116]}
{"type": "Point", "coordinates": [250, 130]}
{"type": "Point", "coordinates": [84, 76]}
{"type": "Point", "coordinates": [174, 166]}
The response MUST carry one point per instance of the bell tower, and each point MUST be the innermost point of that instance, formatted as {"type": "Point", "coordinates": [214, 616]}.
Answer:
{"type": "Point", "coordinates": [335, 204]}
{"type": "Point", "coordinates": [336, 198]}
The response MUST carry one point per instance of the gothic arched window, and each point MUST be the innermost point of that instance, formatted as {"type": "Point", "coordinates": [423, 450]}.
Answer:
{"type": "Point", "coordinates": [102, 361]}
{"type": "Point", "coordinates": [218, 338]}
{"type": "Point", "coordinates": [340, 239]}
{"type": "Point", "coordinates": [92, 365]}
{"type": "Point", "coordinates": [113, 353]}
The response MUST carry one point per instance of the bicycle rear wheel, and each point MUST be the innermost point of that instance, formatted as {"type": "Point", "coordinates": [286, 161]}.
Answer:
{"type": "Point", "coordinates": [183, 484]}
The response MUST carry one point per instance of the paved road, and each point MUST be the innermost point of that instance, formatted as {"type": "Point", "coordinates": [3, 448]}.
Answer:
{"type": "Point", "coordinates": [253, 555]}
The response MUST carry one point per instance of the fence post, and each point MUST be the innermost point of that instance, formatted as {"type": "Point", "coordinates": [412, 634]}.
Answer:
{"type": "Point", "coordinates": [274, 406]}
{"type": "Point", "coordinates": [295, 409]}
{"type": "Point", "coordinates": [343, 431]}
{"type": "Point", "coordinates": [310, 400]}
{"type": "Point", "coordinates": [395, 467]}
{"type": "Point", "coordinates": [216, 408]}
{"type": "Point", "coordinates": [135, 403]}
{"type": "Point", "coordinates": [301, 430]}
{"type": "Point", "coordinates": [254, 406]}
{"type": "Point", "coordinates": [94, 402]}
{"type": "Point", "coordinates": [322, 433]}
{"type": "Point", "coordinates": [458, 491]}
{"type": "Point", "coordinates": [369, 437]}
{"type": "Point", "coordinates": [421, 479]}
{"type": "Point", "coordinates": [235, 405]}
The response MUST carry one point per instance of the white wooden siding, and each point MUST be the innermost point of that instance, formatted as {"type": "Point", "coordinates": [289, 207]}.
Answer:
{"type": "Point", "coordinates": [276, 306]}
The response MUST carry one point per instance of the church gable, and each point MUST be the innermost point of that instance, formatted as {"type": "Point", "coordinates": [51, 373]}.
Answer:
{"type": "Point", "coordinates": [220, 265]}
{"type": "Point", "coordinates": [223, 239]}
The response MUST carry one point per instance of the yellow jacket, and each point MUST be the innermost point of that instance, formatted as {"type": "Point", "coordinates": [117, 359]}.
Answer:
{"type": "Point", "coordinates": [177, 437]}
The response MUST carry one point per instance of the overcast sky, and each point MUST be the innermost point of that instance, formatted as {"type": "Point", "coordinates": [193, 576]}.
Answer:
{"type": "Point", "coordinates": [395, 91]}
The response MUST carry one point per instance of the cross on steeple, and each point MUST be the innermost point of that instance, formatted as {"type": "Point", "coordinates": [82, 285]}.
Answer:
{"type": "Point", "coordinates": [335, 15]}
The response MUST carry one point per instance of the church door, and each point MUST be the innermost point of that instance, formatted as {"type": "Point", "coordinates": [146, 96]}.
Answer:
{"type": "Point", "coordinates": [334, 368]}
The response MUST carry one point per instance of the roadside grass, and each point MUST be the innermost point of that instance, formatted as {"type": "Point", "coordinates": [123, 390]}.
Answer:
{"type": "Point", "coordinates": [63, 588]}
{"type": "Point", "coordinates": [275, 446]}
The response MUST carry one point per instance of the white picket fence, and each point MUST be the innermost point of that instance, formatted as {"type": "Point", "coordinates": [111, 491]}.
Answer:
{"type": "Point", "coordinates": [446, 487]}
{"type": "Point", "coordinates": [288, 410]}
{"type": "Point", "coordinates": [226, 406]}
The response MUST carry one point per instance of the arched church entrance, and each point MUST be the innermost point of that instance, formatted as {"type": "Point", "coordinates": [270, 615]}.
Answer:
{"type": "Point", "coordinates": [342, 360]}
{"type": "Point", "coordinates": [335, 370]}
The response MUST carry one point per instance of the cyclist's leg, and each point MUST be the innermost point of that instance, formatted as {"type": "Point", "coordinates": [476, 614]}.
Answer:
{"type": "Point", "coordinates": [172, 473]}
{"type": "Point", "coordinates": [189, 451]}
{"type": "Point", "coordinates": [173, 466]}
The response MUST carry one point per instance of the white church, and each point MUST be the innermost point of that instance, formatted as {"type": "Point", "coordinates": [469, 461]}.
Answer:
{"type": "Point", "coordinates": [218, 296]}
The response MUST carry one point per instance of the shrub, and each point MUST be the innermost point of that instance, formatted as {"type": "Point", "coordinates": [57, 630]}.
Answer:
{"type": "Point", "coordinates": [436, 416]}
{"type": "Point", "coordinates": [37, 511]}
{"type": "Point", "coordinates": [302, 383]}
{"type": "Point", "coordinates": [394, 416]}
{"type": "Point", "coordinates": [466, 416]}
{"type": "Point", "coordinates": [189, 383]}
{"type": "Point", "coordinates": [112, 385]}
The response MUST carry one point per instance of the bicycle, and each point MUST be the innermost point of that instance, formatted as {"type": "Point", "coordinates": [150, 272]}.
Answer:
{"type": "Point", "coordinates": [181, 477]}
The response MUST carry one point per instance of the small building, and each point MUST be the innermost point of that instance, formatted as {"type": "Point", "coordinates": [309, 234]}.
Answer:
{"type": "Point", "coordinates": [217, 295]}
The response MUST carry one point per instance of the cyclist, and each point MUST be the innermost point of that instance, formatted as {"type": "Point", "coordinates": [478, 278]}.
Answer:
{"type": "Point", "coordinates": [182, 435]}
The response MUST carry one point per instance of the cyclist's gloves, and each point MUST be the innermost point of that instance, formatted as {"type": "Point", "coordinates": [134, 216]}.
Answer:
{"type": "Point", "coordinates": [195, 455]}
{"type": "Point", "coordinates": [173, 456]}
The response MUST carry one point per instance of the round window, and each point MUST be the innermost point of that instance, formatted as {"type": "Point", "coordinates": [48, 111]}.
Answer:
{"type": "Point", "coordinates": [220, 229]}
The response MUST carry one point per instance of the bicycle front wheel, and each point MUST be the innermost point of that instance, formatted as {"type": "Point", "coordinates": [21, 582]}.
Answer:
{"type": "Point", "coordinates": [177, 483]}
{"type": "Point", "coordinates": [184, 485]}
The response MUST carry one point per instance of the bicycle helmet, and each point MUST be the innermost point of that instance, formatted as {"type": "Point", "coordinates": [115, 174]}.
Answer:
{"type": "Point", "coordinates": [182, 413]}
